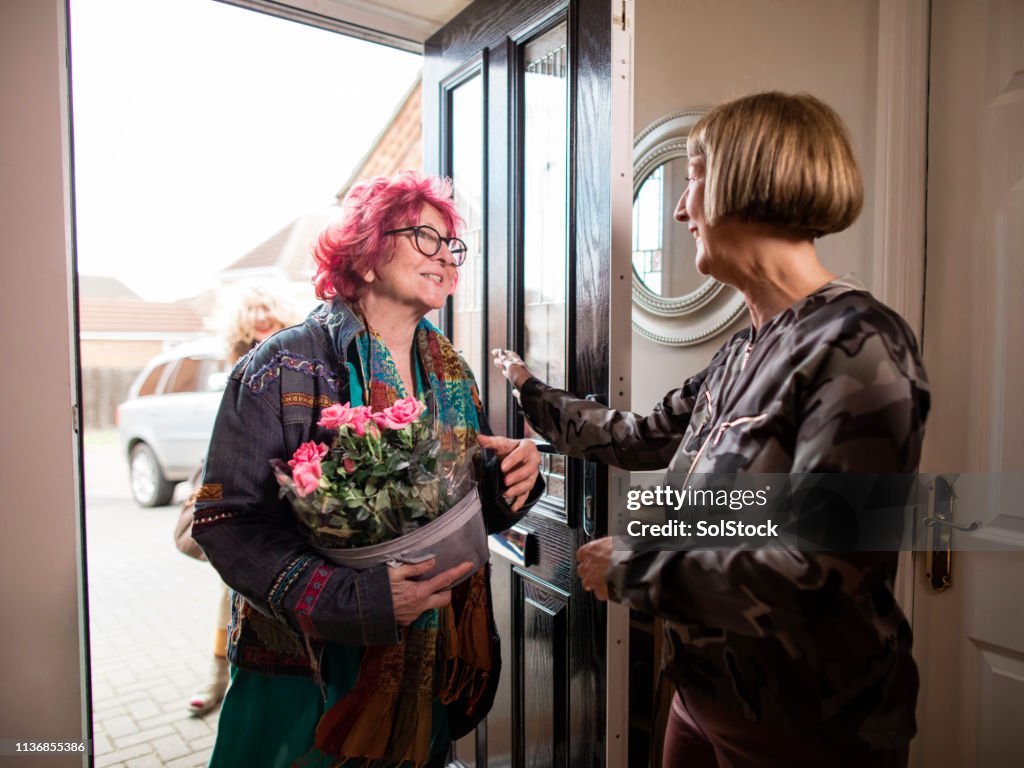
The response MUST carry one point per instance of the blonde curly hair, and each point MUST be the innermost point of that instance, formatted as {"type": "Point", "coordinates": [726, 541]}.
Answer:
{"type": "Point", "coordinates": [242, 309]}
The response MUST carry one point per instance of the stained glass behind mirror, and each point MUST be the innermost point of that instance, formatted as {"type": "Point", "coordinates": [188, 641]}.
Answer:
{"type": "Point", "coordinates": [663, 249]}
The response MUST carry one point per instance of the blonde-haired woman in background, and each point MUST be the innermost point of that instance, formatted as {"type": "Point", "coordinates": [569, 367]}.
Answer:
{"type": "Point", "coordinates": [260, 311]}
{"type": "Point", "coordinates": [254, 312]}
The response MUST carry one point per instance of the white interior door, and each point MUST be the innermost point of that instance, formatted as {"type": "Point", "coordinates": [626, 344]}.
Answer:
{"type": "Point", "coordinates": [969, 639]}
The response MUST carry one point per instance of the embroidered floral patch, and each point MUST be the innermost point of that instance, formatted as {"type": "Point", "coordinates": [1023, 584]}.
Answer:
{"type": "Point", "coordinates": [210, 492]}
{"type": "Point", "coordinates": [271, 371]}
{"type": "Point", "coordinates": [213, 515]}
{"type": "Point", "coordinates": [304, 399]}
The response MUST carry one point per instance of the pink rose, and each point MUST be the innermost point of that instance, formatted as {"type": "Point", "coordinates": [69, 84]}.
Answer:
{"type": "Point", "coordinates": [335, 415]}
{"type": "Point", "coordinates": [360, 418]}
{"type": "Point", "coordinates": [308, 452]}
{"type": "Point", "coordinates": [400, 415]}
{"type": "Point", "coordinates": [306, 476]}
{"type": "Point", "coordinates": [338, 415]}
{"type": "Point", "coordinates": [350, 466]}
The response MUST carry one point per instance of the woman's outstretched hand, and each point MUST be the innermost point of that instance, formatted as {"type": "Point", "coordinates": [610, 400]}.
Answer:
{"type": "Point", "coordinates": [520, 465]}
{"type": "Point", "coordinates": [512, 368]}
{"type": "Point", "coordinates": [592, 561]}
{"type": "Point", "coordinates": [411, 598]}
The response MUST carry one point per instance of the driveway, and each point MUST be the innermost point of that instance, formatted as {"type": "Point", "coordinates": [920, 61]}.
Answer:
{"type": "Point", "coordinates": [151, 621]}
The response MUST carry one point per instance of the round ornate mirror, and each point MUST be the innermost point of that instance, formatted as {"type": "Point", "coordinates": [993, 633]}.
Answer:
{"type": "Point", "coordinates": [673, 303]}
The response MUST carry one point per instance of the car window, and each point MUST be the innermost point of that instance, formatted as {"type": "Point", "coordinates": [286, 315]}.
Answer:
{"type": "Point", "coordinates": [215, 375]}
{"type": "Point", "coordinates": [187, 376]}
{"type": "Point", "coordinates": [148, 387]}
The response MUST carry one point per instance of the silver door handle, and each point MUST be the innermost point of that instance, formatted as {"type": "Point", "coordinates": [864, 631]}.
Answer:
{"type": "Point", "coordinates": [940, 526]}
{"type": "Point", "coordinates": [972, 526]}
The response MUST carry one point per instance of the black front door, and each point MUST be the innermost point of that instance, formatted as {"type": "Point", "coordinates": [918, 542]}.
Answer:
{"type": "Point", "coordinates": [516, 102]}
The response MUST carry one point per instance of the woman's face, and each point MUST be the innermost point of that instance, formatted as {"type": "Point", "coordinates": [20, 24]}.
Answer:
{"type": "Point", "coordinates": [409, 278]}
{"type": "Point", "coordinates": [263, 323]}
{"type": "Point", "coordinates": [690, 211]}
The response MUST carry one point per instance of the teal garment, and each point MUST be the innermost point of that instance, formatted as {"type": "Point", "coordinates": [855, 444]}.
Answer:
{"type": "Point", "coordinates": [382, 368]}
{"type": "Point", "coordinates": [271, 721]}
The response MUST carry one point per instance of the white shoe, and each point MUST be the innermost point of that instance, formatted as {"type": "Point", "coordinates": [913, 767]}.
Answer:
{"type": "Point", "coordinates": [208, 698]}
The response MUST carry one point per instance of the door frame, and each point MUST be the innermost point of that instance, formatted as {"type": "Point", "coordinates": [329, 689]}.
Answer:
{"type": "Point", "coordinates": [620, 364]}
{"type": "Point", "coordinates": [899, 212]}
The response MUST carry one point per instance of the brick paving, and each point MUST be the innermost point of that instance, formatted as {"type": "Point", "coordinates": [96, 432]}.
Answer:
{"type": "Point", "coordinates": [151, 614]}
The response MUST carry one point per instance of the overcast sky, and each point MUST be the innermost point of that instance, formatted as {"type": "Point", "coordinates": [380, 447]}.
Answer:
{"type": "Point", "coordinates": [201, 129]}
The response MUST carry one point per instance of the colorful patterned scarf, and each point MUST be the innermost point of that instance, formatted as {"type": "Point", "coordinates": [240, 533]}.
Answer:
{"type": "Point", "coordinates": [445, 654]}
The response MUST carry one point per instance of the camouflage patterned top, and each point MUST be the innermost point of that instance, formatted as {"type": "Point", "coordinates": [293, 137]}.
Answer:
{"type": "Point", "coordinates": [813, 643]}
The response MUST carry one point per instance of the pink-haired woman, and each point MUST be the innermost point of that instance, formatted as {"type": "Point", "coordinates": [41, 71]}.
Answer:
{"type": "Point", "coordinates": [333, 665]}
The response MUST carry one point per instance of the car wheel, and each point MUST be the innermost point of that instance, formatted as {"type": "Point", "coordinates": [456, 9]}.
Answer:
{"type": "Point", "coordinates": [149, 487]}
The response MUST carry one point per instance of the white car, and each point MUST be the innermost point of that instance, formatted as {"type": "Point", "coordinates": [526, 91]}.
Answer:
{"type": "Point", "coordinates": [165, 423]}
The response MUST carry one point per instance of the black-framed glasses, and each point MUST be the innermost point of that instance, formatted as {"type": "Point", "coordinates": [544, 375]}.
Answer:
{"type": "Point", "coordinates": [428, 242]}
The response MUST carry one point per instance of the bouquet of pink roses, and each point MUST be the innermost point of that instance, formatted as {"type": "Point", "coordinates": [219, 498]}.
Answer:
{"type": "Point", "coordinates": [382, 477]}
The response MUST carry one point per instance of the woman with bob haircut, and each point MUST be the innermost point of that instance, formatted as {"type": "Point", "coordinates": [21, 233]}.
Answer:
{"type": "Point", "coordinates": [333, 666]}
{"type": "Point", "coordinates": [778, 657]}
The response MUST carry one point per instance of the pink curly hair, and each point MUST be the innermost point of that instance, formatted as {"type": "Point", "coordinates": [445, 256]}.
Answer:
{"type": "Point", "coordinates": [354, 244]}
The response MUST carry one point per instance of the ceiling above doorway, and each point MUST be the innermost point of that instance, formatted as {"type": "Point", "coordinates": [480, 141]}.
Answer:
{"type": "Point", "coordinates": [404, 24]}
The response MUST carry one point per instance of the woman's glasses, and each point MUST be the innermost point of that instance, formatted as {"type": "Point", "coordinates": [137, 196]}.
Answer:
{"type": "Point", "coordinates": [428, 242]}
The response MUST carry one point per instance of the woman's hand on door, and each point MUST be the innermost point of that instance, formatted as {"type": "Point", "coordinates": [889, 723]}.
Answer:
{"type": "Point", "coordinates": [592, 561]}
{"type": "Point", "coordinates": [512, 368]}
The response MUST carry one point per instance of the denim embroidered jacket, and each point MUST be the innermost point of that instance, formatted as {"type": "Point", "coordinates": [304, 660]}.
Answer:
{"type": "Point", "coordinates": [288, 601]}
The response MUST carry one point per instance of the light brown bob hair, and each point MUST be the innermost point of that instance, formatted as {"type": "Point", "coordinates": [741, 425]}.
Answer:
{"type": "Point", "coordinates": [778, 158]}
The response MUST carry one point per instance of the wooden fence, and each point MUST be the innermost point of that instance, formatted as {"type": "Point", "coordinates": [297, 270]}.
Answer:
{"type": "Point", "coordinates": [102, 390]}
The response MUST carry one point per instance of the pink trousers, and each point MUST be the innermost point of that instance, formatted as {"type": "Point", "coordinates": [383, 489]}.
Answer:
{"type": "Point", "coordinates": [699, 734]}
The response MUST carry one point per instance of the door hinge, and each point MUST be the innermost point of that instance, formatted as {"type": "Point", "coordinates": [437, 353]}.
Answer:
{"type": "Point", "coordinates": [620, 18]}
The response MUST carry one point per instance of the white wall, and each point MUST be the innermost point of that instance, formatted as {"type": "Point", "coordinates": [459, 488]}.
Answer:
{"type": "Point", "coordinates": [694, 53]}
{"type": "Point", "coordinates": [40, 660]}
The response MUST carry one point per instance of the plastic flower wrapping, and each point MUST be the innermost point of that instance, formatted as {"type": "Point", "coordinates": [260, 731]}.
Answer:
{"type": "Point", "coordinates": [383, 476]}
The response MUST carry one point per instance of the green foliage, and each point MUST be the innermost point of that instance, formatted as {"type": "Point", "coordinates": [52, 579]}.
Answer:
{"type": "Point", "coordinates": [375, 487]}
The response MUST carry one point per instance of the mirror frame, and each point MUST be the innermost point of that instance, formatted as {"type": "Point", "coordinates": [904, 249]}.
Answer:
{"type": "Point", "coordinates": [677, 321]}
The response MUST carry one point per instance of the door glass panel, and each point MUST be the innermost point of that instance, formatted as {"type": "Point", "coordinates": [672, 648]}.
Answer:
{"type": "Point", "coordinates": [545, 187]}
{"type": "Point", "coordinates": [545, 215]}
{"type": "Point", "coordinates": [467, 171]}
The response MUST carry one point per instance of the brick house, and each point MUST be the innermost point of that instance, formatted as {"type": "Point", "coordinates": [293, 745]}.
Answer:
{"type": "Point", "coordinates": [398, 147]}
{"type": "Point", "coordinates": [118, 333]}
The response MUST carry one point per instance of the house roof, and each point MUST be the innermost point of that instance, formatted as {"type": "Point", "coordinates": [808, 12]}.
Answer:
{"type": "Point", "coordinates": [104, 287]}
{"type": "Point", "coordinates": [398, 146]}
{"type": "Point", "coordinates": [134, 316]}
{"type": "Point", "coordinates": [288, 249]}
